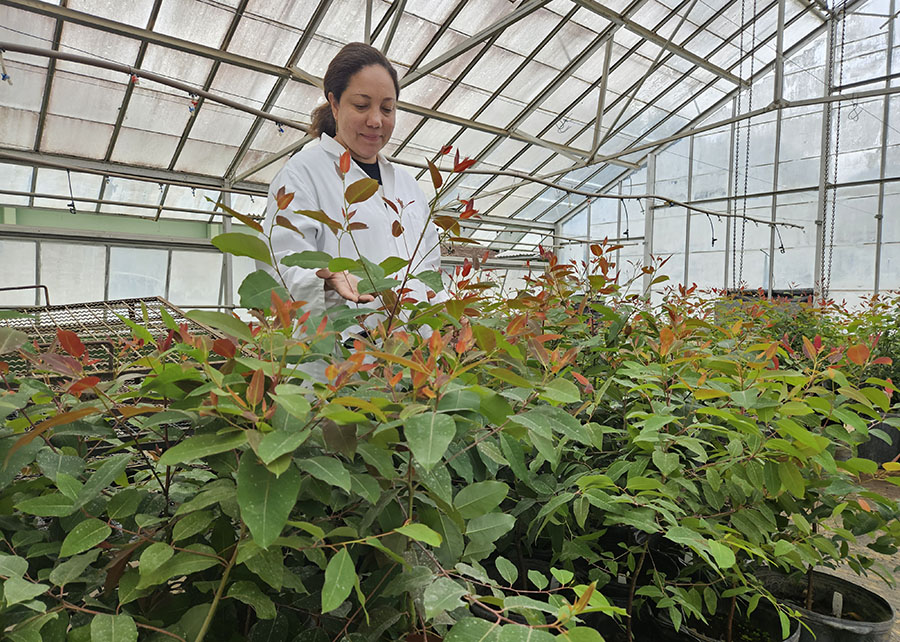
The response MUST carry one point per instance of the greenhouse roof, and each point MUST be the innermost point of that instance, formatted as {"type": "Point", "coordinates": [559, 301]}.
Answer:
{"type": "Point", "coordinates": [151, 108]}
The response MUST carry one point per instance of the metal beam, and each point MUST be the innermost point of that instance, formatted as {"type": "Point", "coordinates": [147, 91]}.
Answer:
{"type": "Point", "coordinates": [279, 86]}
{"type": "Point", "coordinates": [651, 36]}
{"type": "Point", "coordinates": [389, 37]}
{"type": "Point", "coordinates": [523, 11]}
{"type": "Point", "coordinates": [119, 170]}
{"type": "Point", "coordinates": [601, 99]}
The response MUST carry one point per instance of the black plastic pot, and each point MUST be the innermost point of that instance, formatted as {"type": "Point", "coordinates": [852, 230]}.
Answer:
{"type": "Point", "coordinates": [876, 448]}
{"type": "Point", "coordinates": [763, 624]}
{"type": "Point", "coordinates": [868, 617]}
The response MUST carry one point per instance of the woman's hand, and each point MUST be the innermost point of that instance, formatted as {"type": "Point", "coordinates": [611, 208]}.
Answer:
{"type": "Point", "coordinates": [345, 284]}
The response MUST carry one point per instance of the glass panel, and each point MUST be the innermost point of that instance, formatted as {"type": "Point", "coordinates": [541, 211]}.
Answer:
{"type": "Point", "coordinates": [153, 111]}
{"type": "Point", "coordinates": [15, 178]}
{"type": "Point", "coordinates": [270, 42]}
{"type": "Point", "coordinates": [247, 86]}
{"type": "Point", "coordinates": [128, 191]}
{"type": "Point", "coordinates": [26, 28]}
{"type": "Point", "coordinates": [186, 67]}
{"type": "Point", "coordinates": [137, 272]}
{"type": "Point", "coordinates": [205, 158]}
{"type": "Point", "coordinates": [137, 15]}
{"type": "Point", "coordinates": [56, 182]}
{"type": "Point", "coordinates": [195, 278]}
{"type": "Point", "coordinates": [200, 22]}
{"type": "Point", "coordinates": [220, 124]}
{"type": "Point", "coordinates": [68, 135]}
{"type": "Point", "coordinates": [141, 147]}
{"type": "Point", "coordinates": [20, 128]}
{"type": "Point", "coordinates": [73, 273]}
{"type": "Point", "coordinates": [19, 269]}
{"type": "Point", "coordinates": [96, 44]}
{"type": "Point", "coordinates": [29, 85]}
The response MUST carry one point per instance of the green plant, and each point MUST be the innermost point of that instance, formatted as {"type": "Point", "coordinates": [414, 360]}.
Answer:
{"type": "Point", "coordinates": [512, 457]}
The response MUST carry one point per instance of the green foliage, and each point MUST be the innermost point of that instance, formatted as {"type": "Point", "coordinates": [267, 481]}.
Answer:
{"type": "Point", "coordinates": [556, 458]}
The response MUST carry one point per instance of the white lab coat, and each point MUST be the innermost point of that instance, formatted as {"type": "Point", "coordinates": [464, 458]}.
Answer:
{"type": "Point", "coordinates": [312, 176]}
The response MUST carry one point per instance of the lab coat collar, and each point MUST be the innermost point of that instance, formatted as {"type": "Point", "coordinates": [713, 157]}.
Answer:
{"type": "Point", "coordinates": [335, 149]}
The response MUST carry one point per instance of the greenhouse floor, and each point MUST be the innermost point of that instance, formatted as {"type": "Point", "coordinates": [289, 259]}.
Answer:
{"type": "Point", "coordinates": [872, 582]}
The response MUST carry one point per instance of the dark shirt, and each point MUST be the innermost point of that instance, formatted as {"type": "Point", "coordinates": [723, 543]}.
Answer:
{"type": "Point", "coordinates": [371, 169]}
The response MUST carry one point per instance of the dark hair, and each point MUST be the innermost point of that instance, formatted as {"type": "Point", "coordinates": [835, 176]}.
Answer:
{"type": "Point", "coordinates": [350, 59]}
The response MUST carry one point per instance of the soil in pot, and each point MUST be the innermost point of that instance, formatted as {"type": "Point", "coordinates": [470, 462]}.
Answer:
{"type": "Point", "coordinates": [864, 616]}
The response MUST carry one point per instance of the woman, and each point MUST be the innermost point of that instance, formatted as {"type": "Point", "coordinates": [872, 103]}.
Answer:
{"type": "Point", "coordinates": [361, 88]}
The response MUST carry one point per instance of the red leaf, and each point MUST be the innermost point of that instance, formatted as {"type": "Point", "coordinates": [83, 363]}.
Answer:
{"type": "Point", "coordinates": [666, 339]}
{"type": "Point", "coordinates": [354, 227]}
{"type": "Point", "coordinates": [224, 347]}
{"type": "Point", "coordinates": [436, 179]}
{"type": "Point", "coordinates": [396, 229]}
{"type": "Point", "coordinates": [345, 162]}
{"type": "Point", "coordinates": [858, 354]}
{"type": "Point", "coordinates": [817, 342]}
{"type": "Point", "coordinates": [461, 166]}
{"type": "Point", "coordinates": [390, 204]}
{"type": "Point", "coordinates": [58, 420]}
{"type": "Point", "coordinates": [70, 342]}
{"type": "Point", "coordinates": [256, 388]}
{"type": "Point", "coordinates": [283, 199]}
{"type": "Point", "coordinates": [60, 364]}
{"type": "Point", "coordinates": [864, 505]}
{"type": "Point", "coordinates": [83, 384]}
{"type": "Point", "coordinates": [446, 149]}
{"type": "Point", "coordinates": [4, 368]}
{"type": "Point", "coordinates": [322, 217]}
{"type": "Point", "coordinates": [282, 221]}
{"type": "Point", "coordinates": [882, 361]}
{"type": "Point", "coordinates": [166, 343]}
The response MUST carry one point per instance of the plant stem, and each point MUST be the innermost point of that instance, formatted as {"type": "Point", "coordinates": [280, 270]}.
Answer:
{"type": "Point", "coordinates": [215, 603]}
{"type": "Point", "coordinates": [809, 588]}
{"type": "Point", "coordinates": [630, 606]}
{"type": "Point", "coordinates": [730, 623]}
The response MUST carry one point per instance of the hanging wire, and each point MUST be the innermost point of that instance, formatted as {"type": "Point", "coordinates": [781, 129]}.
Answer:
{"type": "Point", "coordinates": [712, 229]}
{"type": "Point", "coordinates": [71, 203]}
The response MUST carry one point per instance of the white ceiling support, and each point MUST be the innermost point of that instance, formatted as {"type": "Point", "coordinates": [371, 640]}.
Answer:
{"type": "Point", "coordinates": [601, 100]}
{"type": "Point", "coordinates": [274, 158]}
{"type": "Point", "coordinates": [650, 36]}
{"type": "Point", "coordinates": [524, 10]}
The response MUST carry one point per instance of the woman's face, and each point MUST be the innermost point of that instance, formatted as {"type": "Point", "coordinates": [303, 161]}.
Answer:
{"type": "Point", "coordinates": [365, 113]}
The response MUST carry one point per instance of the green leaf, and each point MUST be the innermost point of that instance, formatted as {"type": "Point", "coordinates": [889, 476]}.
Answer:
{"type": "Point", "coordinates": [508, 571]}
{"type": "Point", "coordinates": [480, 498]}
{"type": "Point", "coordinates": [420, 533]}
{"type": "Point", "coordinates": [249, 593]}
{"type": "Point", "coordinates": [11, 340]}
{"type": "Point", "coordinates": [472, 629]}
{"type": "Point", "coordinates": [191, 524]}
{"type": "Point", "coordinates": [342, 264]}
{"type": "Point", "coordinates": [486, 529]}
{"type": "Point", "coordinates": [227, 323]}
{"type": "Point", "coordinates": [154, 556]}
{"type": "Point", "coordinates": [340, 578]}
{"type": "Point", "coordinates": [723, 555]}
{"type": "Point", "coordinates": [561, 390]}
{"type": "Point", "coordinates": [265, 500]}
{"type": "Point", "coordinates": [202, 446]}
{"type": "Point", "coordinates": [256, 290]}
{"type": "Point", "coordinates": [51, 505]}
{"type": "Point", "coordinates": [360, 190]}
{"type": "Point", "coordinates": [124, 503]}
{"type": "Point", "coordinates": [428, 436]}
{"type": "Point", "coordinates": [16, 590]}
{"type": "Point", "coordinates": [241, 244]}
{"type": "Point", "coordinates": [279, 442]}
{"type": "Point", "coordinates": [85, 535]}
{"type": "Point", "coordinates": [72, 569]}
{"type": "Point", "coordinates": [327, 469]}
{"type": "Point", "coordinates": [392, 264]}
{"type": "Point", "coordinates": [442, 595]}
{"type": "Point", "coordinates": [113, 628]}
{"type": "Point", "coordinates": [519, 633]}
{"type": "Point", "coordinates": [307, 259]}
{"type": "Point", "coordinates": [667, 463]}
{"type": "Point", "coordinates": [791, 478]}
{"type": "Point", "coordinates": [580, 634]}
{"type": "Point", "coordinates": [184, 562]}
{"type": "Point", "coordinates": [12, 565]}
{"type": "Point", "coordinates": [431, 278]}
{"type": "Point", "coordinates": [53, 462]}
{"type": "Point", "coordinates": [110, 470]}
{"type": "Point", "coordinates": [293, 403]}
